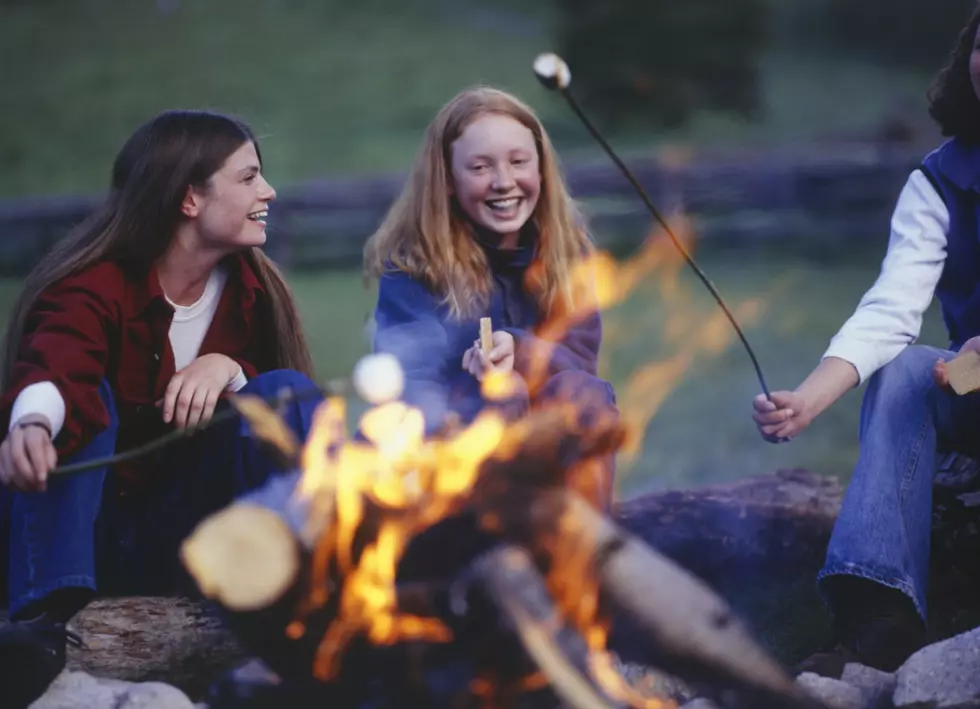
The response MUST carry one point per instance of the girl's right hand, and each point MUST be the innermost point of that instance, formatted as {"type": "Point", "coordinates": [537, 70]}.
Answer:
{"type": "Point", "coordinates": [27, 455]}
{"type": "Point", "coordinates": [782, 418]}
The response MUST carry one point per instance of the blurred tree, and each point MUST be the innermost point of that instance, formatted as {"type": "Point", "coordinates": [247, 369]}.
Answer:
{"type": "Point", "coordinates": [660, 61]}
{"type": "Point", "coordinates": [912, 33]}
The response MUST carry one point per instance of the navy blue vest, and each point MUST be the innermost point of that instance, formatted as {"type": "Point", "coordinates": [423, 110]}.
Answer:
{"type": "Point", "coordinates": [954, 171]}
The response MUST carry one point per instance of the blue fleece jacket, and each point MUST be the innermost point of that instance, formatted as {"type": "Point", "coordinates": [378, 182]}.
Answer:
{"type": "Point", "coordinates": [413, 325]}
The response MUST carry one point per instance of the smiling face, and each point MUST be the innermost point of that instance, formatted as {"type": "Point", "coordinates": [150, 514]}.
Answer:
{"type": "Point", "coordinates": [231, 211]}
{"type": "Point", "coordinates": [496, 177]}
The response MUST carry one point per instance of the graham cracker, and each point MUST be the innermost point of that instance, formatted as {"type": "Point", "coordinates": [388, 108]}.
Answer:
{"type": "Point", "coordinates": [486, 335]}
{"type": "Point", "coordinates": [964, 372]}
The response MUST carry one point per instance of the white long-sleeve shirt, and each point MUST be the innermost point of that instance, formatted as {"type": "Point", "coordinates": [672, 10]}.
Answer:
{"type": "Point", "coordinates": [889, 316]}
{"type": "Point", "coordinates": [187, 330]}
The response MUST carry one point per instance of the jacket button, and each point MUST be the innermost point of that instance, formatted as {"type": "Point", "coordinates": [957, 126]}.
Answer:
{"type": "Point", "coordinates": [156, 356]}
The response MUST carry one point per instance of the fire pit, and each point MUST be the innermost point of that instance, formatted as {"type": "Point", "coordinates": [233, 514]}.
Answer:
{"type": "Point", "coordinates": [472, 568]}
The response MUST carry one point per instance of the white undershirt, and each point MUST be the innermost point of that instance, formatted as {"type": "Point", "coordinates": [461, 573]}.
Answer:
{"type": "Point", "coordinates": [889, 315]}
{"type": "Point", "coordinates": [187, 330]}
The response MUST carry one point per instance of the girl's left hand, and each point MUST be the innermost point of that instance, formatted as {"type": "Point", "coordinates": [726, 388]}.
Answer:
{"type": "Point", "coordinates": [501, 356]}
{"type": "Point", "coordinates": [194, 391]}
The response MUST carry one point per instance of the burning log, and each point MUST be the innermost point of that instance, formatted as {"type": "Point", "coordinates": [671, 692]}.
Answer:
{"type": "Point", "coordinates": [693, 632]}
{"type": "Point", "coordinates": [508, 575]}
{"type": "Point", "coordinates": [513, 483]}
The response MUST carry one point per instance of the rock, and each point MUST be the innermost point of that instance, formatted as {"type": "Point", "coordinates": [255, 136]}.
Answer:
{"type": "Point", "coordinates": [154, 695]}
{"type": "Point", "coordinates": [833, 692]}
{"type": "Point", "coordinates": [79, 690]}
{"type": "Point", "coordinates": [877, 686]}
{"type": "Point", "coordinates": [943, 675]}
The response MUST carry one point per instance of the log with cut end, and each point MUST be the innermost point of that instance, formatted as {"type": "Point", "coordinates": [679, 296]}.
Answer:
{"type": "Point", "coordinates": [244, 557]}
{"type": "Point", "coordinates": [694, 633]}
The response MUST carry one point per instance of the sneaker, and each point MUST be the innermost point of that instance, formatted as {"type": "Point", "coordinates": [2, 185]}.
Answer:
{"type": "Point", "coordinates": [32, 654]}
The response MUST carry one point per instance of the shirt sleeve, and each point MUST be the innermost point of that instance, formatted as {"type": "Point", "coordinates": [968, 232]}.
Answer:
{"type": "Point", "coordinates": [40, 398]}
{"type": "Point", "coordinates": [576, 349]}
{"type": "Point", "coordinates": [65, 344]}
{"type": "Point", "coordinates": [238, 382]}
{"type": "Point", "coordinates": [889, 316]}
{"type": "Point", "coordinates": [408, 326]}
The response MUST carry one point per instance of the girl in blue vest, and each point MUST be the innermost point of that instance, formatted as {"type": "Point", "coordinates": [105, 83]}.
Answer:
{"type": "Point", "coordinates": [877, 565]}
{"type": "Point", "coordinates": [485, 227]}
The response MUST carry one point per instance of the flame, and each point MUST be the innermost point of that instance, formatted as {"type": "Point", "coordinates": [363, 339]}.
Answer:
{"type": "Point", "coordinates": [370, 496]}
{"type": "Point", "coordinates": [407, 483]}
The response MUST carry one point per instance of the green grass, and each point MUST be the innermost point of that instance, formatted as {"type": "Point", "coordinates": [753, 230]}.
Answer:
{"type": "Point", "coordinates": [335, 87]}
{"type": "Point", "coordinates": [702, 431]}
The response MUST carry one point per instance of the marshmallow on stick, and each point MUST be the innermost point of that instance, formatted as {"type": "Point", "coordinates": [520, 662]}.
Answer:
{"type": "Point", "coordinates": [486, 335]}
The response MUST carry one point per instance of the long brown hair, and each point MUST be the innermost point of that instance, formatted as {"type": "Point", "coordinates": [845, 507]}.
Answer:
{"type": "Point", "coordinates": [425, 236]}
{"type": "Point", "coordinates": [139, 217]}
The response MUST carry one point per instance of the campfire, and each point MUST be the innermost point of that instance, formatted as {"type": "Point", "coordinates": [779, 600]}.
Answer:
{"type": "Point", "coordinates": [474, 567]}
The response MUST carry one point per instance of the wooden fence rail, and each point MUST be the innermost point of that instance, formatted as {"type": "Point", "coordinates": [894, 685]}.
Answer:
{"type": "Point", "coordinates": [837, 195]}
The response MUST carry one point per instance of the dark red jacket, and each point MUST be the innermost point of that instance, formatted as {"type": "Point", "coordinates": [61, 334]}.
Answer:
{"type": "Point", "coordinates": [105, 323]}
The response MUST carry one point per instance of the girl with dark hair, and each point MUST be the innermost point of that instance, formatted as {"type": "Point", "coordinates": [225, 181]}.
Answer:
{"type": "Point", "coordinates": [875, 576]}
{"type": "Point", "coordinates": [138, 322]}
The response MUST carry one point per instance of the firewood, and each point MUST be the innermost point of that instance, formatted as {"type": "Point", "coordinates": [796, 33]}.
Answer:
{"type": "Point", "coordinates": [244, 556]}
{"type": "Point", "coordinates": [693, 632]}
{"type": "Point", "coordinates": [179, 641]}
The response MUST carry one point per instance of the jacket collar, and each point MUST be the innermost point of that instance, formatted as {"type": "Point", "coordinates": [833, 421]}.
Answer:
{"type": "Point", "coordinates": [959, 161]}
{"type": "Point", "coordinates": [146, 292]}
{"type": "Point", "coordinates": [506, 259]}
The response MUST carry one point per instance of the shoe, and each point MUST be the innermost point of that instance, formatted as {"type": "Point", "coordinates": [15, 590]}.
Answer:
{"type": "Point", "coordinates": [888, 636]}
{"type": "Point", "coordinates": [32, 654]}
{"type": "Point", "coordinates": [878, 623]}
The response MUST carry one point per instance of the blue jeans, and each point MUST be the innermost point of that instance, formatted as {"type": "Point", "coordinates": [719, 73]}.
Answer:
{"type": "Point", "coordinates": [83, 534]}
{"type": "Point", "coordinates": [883, 530]}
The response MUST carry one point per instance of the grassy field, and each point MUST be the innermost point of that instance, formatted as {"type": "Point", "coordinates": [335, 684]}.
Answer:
{"type": "Point", "coordinates": [697, 397]}
{"type": "Point", "coordinates": [338, 88]}
{"type": "Point", "coordinates": [698, 400]}
{"type": "Point", "coordinates": [335, 87]}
